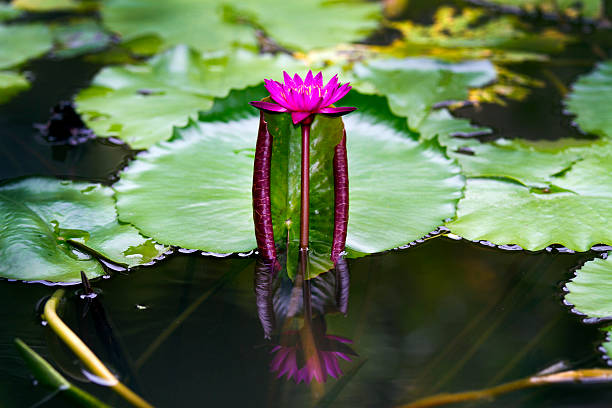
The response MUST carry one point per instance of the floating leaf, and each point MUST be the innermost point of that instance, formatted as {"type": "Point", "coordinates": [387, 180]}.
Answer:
{"type": "Point", "coordinates": [400, 189]}
{"type": "Point", "coordinates": [198, 24]}
{"type": "Point", "coordinates": [214, 25]}
{"type": "Point", "coordinates": [48, 376]}
{"type": "Point", "coordinates": [79, 38]}
{"type": "Point", "coordinates": [140, 104]}
{"type": "Point", "coordinates": [570, 8]}
{"type": "Point", "coordinates": [590, 294]}
{"type": "Point", "coordinates": [573, 212]}
{"type": "Point", "coordinates": [22, 42]}
{"type": "Point", "coordinates": [8, 12]}
{"type": "Point", "coordinates": [11, 83]}
{"type": "Point", "coordinates": [512, 159]}
{"type": "Point", "coordinates": [590, 100]}
{"type": "Point", "coordinates": [469, 35]}
{"type": "Point", "coordinates": [309, 24]}
{"type": "Point", "coordinates": [46, 6]}
{"type": "Point", "coordinates": [47, 225]}
{"type": "Point", "coordinates": [414, 85]}
{"type": "Point", "coordinates": [589, 290]}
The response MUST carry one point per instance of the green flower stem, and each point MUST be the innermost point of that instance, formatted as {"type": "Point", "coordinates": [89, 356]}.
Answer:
{"type": "Point", "coordinates": [87, 357]}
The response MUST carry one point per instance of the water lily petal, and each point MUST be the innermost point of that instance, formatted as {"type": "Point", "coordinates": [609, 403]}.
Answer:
{"type": "Point", "coordinates": [318, 80]}
{"type": "Point", "coordinates": [308, 80]}
{"type": "Point", "coordinates": [288, 81]}
{"type": "Point", "coordinates": [297, 117]}
{"type": "Point", "coordinates": [336, 111]}
{"type": "Point", "coordinates": [268, 106]}
{"type": "Point", "coordinates": [297, 81]}
{"type": "Point", "coordinates": [340, 93]}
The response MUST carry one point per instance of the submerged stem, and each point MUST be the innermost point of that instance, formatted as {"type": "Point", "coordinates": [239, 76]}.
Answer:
{"type": "Point", "coordinates": [572, 376]}
{"type": "Point", "coordinates": [87, 357]}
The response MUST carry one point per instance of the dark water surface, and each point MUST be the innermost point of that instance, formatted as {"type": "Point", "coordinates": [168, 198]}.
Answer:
{"type": "Point", "coordinates": [445, 315]}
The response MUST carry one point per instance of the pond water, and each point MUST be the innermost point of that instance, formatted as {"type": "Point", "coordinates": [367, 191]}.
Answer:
{"type": "Point", "coordinates": [442, 316]}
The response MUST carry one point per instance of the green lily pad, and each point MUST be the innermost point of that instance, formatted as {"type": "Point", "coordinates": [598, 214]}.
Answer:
{"type": "Point", "coordinates": [414, 85]}
{"type": "Point", "coordinates": [589, 292]}
{"type": "Point", "coordinates": [78, 38]}
{"type": "Point", "coordinates": [573, 212]}
{"type": "Point", "coordinates": [46, 6]}
{"type": "Point", "coordinates": [22, 42]}
{"type": "Point", "coordinates": [49, 226]}
{"type": "Point", "coordinates": [309, 24]}
{"type": "Point", "coordinates": [512, 159]}
{"type": "Point", "coordinates": [198, 24]}
{"type": "Point", "coordinates": [8, 12]}
{"type": "Point", "coordinates": [11, 83]}
{"type": "Point", "coordinates": [214, 25]}
{"type": "Point", "coordinates": [590, 100]}
{"type": "Point", "coordinates": [140, 104]}
{"type": "Point", "coordinates": [397, 185]}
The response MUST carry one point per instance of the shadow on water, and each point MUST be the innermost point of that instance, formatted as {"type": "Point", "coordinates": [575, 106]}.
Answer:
{"type": "Point", "coordinates": [442, 316]}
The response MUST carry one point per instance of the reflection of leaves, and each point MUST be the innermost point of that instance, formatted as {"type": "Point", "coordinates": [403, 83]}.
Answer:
{"type": "Point", "coordinates": [470, 35]}
{"type": "Point", "coordinates": [11, 83]}
{"type": "Point", "coordinates": [572, 212]}
{"type": "Point", "coordinates": [22, 42]}
{"type": "Point", "coordinates": [46, 222]}
{"type": "Point", "coordinates": [141, 103]}
{"type": "Point", "coordinates": [590, 101]}
{"type": "Point", "coordinates": [212, 25]}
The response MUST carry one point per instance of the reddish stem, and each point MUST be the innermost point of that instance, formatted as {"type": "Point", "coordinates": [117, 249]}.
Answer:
{"type": "Point", "coordinates": [262, 213]}
{"type": "Point", "coordinates": [341, 198]}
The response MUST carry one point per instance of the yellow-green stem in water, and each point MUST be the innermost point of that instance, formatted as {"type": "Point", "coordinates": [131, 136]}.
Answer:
{"type": "Point", "coordinates": [87, 357]}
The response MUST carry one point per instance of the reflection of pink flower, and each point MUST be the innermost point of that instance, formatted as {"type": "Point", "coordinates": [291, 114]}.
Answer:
{"type": "Point", "coordinates": [291, 359]}
{"type": "Point", "coordinates": [303, 98]}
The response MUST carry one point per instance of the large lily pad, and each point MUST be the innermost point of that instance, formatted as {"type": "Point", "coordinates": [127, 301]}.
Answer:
{"type": "Point", "coordinates": [22, 42]}
{"type": "Point", "coordinates": [590, 101]}
{"type": "Point", "coordinates": [11, 83]}
{"type": "Point", "coordinates": [400, 189]}
{"type": "Point", "coordinates": [414, 85]}
{"type": "Point", "coordinates": [512, 159]}
{"type": "Point", "coordinates": [219, 25]}
{"type": "Point", "coordinates": [590, 293]}
{"type": "Point", "coordinates": [140, 104]}
{"type": "Point", "coordinates": [573, 211]}
{"type": "Point", "coordinates": [50, 227]}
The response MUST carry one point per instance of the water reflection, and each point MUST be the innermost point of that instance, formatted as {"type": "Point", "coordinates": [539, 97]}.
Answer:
{"type": "Point", "coordinates": [292, 314]}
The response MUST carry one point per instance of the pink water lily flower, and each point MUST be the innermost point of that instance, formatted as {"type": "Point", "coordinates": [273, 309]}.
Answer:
{"type": "Point", "coordinates": [303, 98]}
